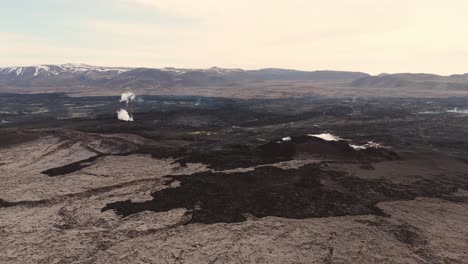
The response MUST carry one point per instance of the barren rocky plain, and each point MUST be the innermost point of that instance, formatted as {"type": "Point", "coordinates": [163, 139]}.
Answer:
{"type": "Point", "coordinates": [240, 177]}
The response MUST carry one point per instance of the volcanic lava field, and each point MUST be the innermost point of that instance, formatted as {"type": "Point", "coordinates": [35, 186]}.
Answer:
{"type": "Point", "coordinates": [220, 180]}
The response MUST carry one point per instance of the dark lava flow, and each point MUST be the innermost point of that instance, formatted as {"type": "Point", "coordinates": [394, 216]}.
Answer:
{"type": "Point", "coordinates": [72, 167]}
{"type": "Point", "coordinates": [309, 191]}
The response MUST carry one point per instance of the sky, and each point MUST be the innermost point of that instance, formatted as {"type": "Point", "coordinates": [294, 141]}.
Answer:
{"type": "Point", "coordinates": [373, 36]}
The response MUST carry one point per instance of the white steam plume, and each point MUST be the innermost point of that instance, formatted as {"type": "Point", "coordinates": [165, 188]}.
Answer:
{"type": "Point", "coordinates": [127, 97]}
{"type": "Point", "coordinates": [123, 115]}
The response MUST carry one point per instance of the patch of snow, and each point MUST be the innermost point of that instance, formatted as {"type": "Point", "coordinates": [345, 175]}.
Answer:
{"type": "Point", "coordinates": [213, 69]}
{"type": "Point", "coordinates": [80, 67]}
{"type": "Point", "coordinates": [286, 139]}
{"type": "Point", "coordinates": [12, 69]}
{"type": "Point", "coordinates": [222, 70]}
{"type": "Point", "coordinates": [19, 71]}
{"type": "Point", "coordinates": [458, 111]}
{"type": "Point", "coordinates": [39, 68]}
{"type": "Point", "coordinates": [429, 112]}
{"type": "Point", "coordinates": [174, 70]}
{"type": "Point", "coordinates": [369, 144]}
{"type": "Point", "coordinates": [326, 136]}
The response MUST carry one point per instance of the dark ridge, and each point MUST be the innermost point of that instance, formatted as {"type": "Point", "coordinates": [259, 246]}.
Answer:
{"type": "Point", "coordinates": [80, 195]}
{"type": "Point", "coordinates": [4, 203]}
{"type": "Point", "coordinates": [13, 137]}
{"type": "Point", "coordinates": [157, 153]}
{"type": "Point", "coordinates": [408, 235]}
{"type": "Point", "coordinates": [72, 167]}
{"type": "Point", "coordinates": [317, 147]}
{"type": "Point", "coordinates": [231, 156]}
{"type": "Point", "coordinates": [309, 145]}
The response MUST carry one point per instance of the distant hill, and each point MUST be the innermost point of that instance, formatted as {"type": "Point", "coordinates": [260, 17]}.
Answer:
{"type": "Point", "coordinates": [293, 75]}
{"type": "Point", "coordinates": [407, 80]}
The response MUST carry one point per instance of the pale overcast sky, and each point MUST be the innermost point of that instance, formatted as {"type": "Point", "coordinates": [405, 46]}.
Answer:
{"type": "Point", "coordinates": [361, 35]}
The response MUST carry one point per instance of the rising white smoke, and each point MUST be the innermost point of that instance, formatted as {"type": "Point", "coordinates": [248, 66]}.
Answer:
{"type": "Point", "coordinates": [127, 97]}
{"type": "Point", "coordinates": [123, 115]}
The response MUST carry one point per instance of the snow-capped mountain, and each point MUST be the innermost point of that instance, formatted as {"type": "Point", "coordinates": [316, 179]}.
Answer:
{"type": "Point", "coordinates": [83, 75]}
{"type": "Point", "coordinates": [34, 71]}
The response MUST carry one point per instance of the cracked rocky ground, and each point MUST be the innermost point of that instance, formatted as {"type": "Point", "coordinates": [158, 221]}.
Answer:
{"type": "Point", "coordinates": [235, 181]}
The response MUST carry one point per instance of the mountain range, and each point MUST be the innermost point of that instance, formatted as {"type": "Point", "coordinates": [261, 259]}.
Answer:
{"type": "Point", "coordinates": [95, 76]}
{"type": "Point", "coordinates": [83, 75]}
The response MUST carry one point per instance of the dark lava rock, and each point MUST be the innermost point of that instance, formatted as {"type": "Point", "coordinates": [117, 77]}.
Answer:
{"type": "Point", "coordinates": [319, 148]}
{"type": "Point", "coordinates": [72, 167]}
{"type": "Point", "coordinates": [267, 191]}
